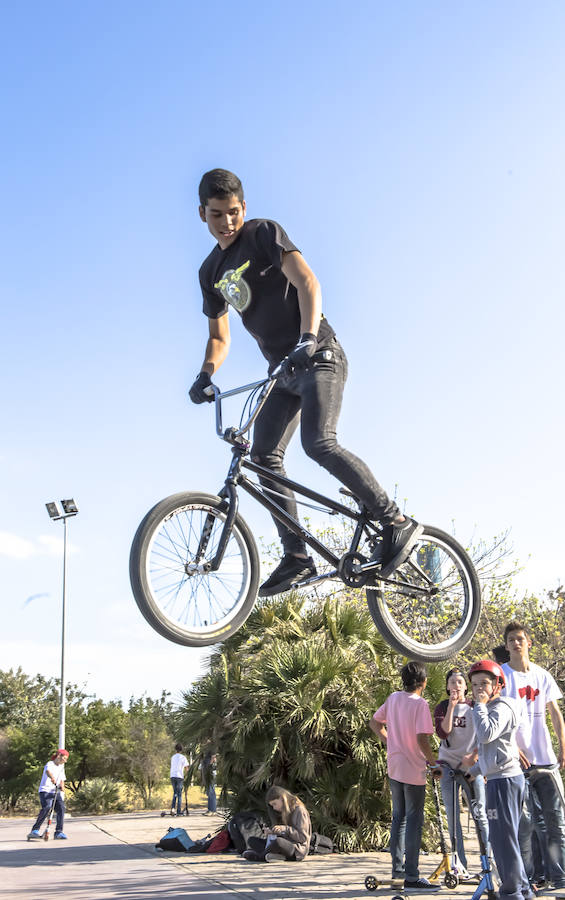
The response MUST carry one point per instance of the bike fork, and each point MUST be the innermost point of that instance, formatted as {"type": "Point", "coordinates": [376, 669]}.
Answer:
{"type": "Point", "coordinates": [229, 493]}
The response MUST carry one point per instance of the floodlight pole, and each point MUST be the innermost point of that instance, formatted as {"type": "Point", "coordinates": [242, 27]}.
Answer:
{"type": "Point", "coordinates": [62, 705]}
{"type": "Point", "coordinates": [69, 509]}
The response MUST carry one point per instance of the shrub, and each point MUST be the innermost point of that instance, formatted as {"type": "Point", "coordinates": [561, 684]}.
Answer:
{"type": "Point", "coordinates": [98, 796]}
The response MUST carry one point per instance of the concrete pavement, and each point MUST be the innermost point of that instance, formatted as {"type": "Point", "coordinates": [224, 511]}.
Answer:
{"type": "Point", "coordinates": [115, 857]}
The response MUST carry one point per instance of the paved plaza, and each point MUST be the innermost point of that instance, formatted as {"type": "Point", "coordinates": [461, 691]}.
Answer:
{"type": "Point", "coordinates": [115, 857]}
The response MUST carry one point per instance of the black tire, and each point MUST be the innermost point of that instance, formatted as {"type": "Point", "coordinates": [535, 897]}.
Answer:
{"type": "Point", "coordinates": [451, 881]}
{"type": "Point", "coordinates": [429, 608]}
{"type": "Point", "coordinates": [195, 608]}
{"type": "Point", "coordinates": [371, 883]}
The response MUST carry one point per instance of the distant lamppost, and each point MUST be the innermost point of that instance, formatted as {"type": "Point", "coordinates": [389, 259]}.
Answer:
{"type": "Point", "coordinates": [69, 509]}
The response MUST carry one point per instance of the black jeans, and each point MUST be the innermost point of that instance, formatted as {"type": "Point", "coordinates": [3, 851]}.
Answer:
{"type": "Point", "coordinates": [313, 397]}
{"type": "Point", "coordinates": [278, 845]}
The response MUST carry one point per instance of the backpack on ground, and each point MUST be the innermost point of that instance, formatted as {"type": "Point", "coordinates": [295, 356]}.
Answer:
{"type": "Point", "coordinates": [244, 825]}
{"type": "Point", "coordinates": [221, 842]}
{"type": "Point", "coordinates": [176, 839]}
{"type": "Point", "coordinates": [319, 843]}
{"type": "Point", "coordinates": [201, 845]}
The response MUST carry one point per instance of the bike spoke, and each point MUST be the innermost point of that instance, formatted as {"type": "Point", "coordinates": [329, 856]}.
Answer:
{"type": "Point", "coordinates": [192, 597]}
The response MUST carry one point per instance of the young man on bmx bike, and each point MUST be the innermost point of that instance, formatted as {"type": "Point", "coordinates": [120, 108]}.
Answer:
{"type": "Point", "coordinates": [256, 269]}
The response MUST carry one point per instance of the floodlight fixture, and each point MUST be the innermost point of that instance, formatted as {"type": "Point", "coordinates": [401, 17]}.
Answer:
{"type": "Point", "coordinates": [53, 510]}
{"type": "Point", "coordinates": [70, 507]}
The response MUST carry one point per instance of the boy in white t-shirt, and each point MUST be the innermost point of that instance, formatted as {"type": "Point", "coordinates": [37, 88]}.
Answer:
{"type": "Point", "coordinates": [537, 692]}
{"type": "Point", "coordinates": [52, 785]}
{"type": "Point", "coordinates": [179, 764]}
{"type": "Point", "coordinates": [404, 724]}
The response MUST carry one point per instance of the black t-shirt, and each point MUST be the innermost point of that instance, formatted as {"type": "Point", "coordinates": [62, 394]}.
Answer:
{"type": "Point", "coordinates": [247, 275]}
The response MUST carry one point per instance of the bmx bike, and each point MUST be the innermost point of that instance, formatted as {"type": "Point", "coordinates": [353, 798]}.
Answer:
{"type": "Point", "coordinates": [194, 565]}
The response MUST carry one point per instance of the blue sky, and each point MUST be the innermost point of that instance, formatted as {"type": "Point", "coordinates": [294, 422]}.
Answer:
{"type": "Point", "coordinates": [414, 152]}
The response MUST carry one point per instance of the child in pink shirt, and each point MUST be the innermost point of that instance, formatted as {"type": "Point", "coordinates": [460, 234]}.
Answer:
{"type": "Point", "coordinates": [404, 724]}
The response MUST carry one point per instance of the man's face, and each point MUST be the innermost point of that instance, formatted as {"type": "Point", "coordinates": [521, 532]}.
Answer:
{"type": "Point", "coordinates": [518, 644]}
{"type": "Point", "coordinates": [224, 217]}
{"type": "Point", "coordinates": [484, 687]}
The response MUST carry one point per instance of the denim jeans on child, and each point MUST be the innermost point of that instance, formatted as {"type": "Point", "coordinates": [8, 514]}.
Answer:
{"type": "Point", "coordinates": [177, 784]}
{"type": "Point", "coordinates": [448, 785]}
{"type": "Point", "coordinates": [544, 813]}
{"type": "Point", "coordinates": [46, 799]}
{"type": "Point", "coordinates": [406, 829]}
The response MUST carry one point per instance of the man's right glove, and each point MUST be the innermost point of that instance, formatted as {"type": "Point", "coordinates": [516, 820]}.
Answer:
{"type": "Point", "coordinates": [197, 392]}
{"type": "Point", "coordinates": [299, 357]}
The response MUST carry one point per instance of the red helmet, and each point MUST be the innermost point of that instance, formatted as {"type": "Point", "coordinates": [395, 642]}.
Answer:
{"type": "Point", "coordinates": [488, 665]}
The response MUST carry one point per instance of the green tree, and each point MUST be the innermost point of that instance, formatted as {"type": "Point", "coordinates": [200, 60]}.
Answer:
{"type": "Point", "coordinates": [144, 751]}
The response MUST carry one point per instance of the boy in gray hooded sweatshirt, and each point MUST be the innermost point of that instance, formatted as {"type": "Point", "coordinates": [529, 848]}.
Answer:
{"type": "Point", "coordinates": [496, 721]}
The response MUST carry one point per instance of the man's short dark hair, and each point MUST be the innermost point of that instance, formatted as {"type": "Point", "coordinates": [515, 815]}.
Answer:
{"type": "Point", "coordinates": [413, 674]}
{"type": "Point", "coordinates": [178, 748]}
{"type": "Point", "coordinates": [219, 183]}
{"type": "Point", "coordinates": [515, 626]}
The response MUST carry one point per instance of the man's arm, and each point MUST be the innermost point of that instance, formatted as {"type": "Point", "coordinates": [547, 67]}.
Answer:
{"type": "Point", "coordinates": [379, 728]}
{"type": "Point", "coordinates": [299, 273]}
{"type": "Point", "coordinates": [559, 728]}
{"type": "Point", "coordinates": [218, 344]}
{"type": "Point", "coordinates": [426, 748]}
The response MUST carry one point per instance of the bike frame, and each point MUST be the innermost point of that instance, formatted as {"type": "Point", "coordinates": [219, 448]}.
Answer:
{"type": "Point", "coordinates": [236, 478]}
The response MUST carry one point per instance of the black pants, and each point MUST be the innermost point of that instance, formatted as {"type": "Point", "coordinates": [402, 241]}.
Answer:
{"type": "Point", "coordinates": [313, 397]}
{"type": "Point", "coordinates": [279, 845]}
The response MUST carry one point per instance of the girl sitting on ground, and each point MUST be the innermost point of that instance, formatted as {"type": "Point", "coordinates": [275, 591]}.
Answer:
{"type": "Point", "coordinates": [288, 837]}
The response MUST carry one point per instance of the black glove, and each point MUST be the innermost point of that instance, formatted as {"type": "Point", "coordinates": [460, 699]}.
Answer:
{"type": "Point", "coordinates": [299, 357]}
{"type": "Point", "coordinates": [196, 393]}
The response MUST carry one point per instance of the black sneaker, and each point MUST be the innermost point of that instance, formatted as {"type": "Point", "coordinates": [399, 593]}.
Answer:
{"type": "Point", "coordinates": [289, 571]}
{"type": "Point", "coordinates": [251, 856]}
{"type": "Point", "coordinates": [399, 541]}
{"type": "Point", "coordinates": [422, 886]}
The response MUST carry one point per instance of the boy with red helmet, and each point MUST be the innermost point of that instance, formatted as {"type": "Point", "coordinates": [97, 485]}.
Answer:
{"type": "Point", "coordinates": [496, 721]}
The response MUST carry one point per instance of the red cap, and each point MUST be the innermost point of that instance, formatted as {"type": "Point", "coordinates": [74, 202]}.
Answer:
{"type": "Point", "coordinates": [61, 752]}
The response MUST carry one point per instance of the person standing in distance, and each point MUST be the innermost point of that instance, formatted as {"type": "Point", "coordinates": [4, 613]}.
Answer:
{"type": "Point", "coordinates": [179, 765]}
{"type": "Point", "coordinates": [256, 269]}
{"type": "Point", "coordinates": [537, 693]}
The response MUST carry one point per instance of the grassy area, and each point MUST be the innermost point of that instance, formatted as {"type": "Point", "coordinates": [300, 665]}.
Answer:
{"type": "Point", "coordinates": [128, 800]}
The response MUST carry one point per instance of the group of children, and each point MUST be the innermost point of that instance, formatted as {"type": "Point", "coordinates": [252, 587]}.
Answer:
{"type": "Point", "coordinates": [497, 738]}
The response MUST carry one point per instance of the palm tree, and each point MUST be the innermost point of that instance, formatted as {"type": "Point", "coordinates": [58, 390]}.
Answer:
{"type": "Point", "coordinates": [287, 700]}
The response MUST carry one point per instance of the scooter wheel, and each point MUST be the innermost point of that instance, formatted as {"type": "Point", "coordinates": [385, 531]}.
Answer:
{"type": "Point", "coordinates": [163, 814]}
{"type": "Point", "coordinates": [451, 880]}
{"type": "Point", "coordinates": [371, 883]}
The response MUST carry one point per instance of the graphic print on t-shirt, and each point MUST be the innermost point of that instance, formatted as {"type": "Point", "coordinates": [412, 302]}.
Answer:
{"type": "Point", "coordinates": [234, 287]}
{"type": "Point", "coordinates": [528, 692]}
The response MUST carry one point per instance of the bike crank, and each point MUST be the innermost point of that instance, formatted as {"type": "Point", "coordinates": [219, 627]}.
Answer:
{"type": "Point", "coordinates": [348, 570]}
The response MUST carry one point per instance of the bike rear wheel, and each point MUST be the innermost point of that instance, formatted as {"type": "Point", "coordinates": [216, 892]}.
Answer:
{"type": "Point", "coordinates": [180, 598]}
{"type": "Point", "coordinates": [430, 607]}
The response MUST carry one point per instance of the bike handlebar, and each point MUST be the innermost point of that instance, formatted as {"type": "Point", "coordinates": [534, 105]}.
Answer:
{"type": "Point", "coordinates": [266, 385]}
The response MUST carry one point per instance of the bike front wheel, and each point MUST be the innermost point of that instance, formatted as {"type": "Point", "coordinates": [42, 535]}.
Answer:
{"type": "Point", "coordinates": [173, 585]}
{"type": "Point", "coordinates": [429, 608]}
